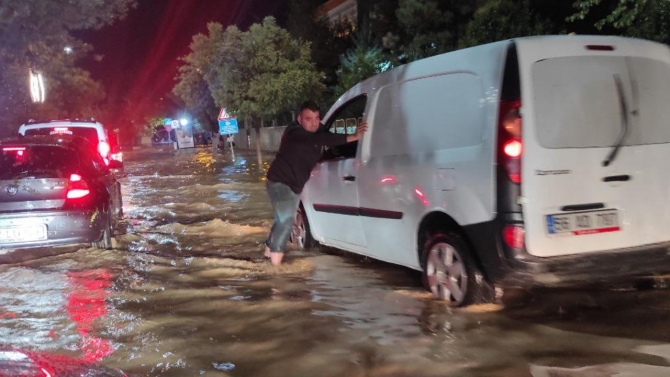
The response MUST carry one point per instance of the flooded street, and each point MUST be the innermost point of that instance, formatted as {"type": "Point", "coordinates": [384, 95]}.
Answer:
{"type": "Point", "coordinates": [186, 292]}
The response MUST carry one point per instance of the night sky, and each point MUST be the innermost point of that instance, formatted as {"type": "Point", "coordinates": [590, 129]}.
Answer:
{"type": "Point", "coordinates": [140, 54]}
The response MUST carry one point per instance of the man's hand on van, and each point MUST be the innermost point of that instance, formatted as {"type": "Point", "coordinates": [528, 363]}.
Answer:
{"type": "Point", "coordinates": [360, 130]}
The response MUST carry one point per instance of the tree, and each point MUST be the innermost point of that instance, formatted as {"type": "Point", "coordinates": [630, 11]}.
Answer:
{"type": "Point", "coordinates": [433, 27]}
{"type": "Point", "coordinates": [31, 37]}
{"type": "Point", "coordinates": [360, 63]}
{"type": "Point", "coordinates": [258, 74]}
{"type": "Point", "coordinates": [503, 19]}
{"type": "Point", "coordinates": [649, 19]}
{"type": "Point", "coordinates": [328, 41]}
{"type": "Point", "coordinates": [194, 91]}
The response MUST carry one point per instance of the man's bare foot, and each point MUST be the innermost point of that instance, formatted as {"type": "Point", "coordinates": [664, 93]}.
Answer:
{"type": "Point", "coordinates": [276, 258]}
{"type": "Point", "coordinates": [267, 253]}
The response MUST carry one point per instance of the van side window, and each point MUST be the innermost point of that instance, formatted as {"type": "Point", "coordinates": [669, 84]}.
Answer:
{"type": "Point", "coordinates": [345, 121]}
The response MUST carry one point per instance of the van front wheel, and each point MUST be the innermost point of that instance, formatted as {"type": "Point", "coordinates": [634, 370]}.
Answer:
{"type": "Point", "coordinates": [449, 272]}
{"type": "Point", "coordinates": [301, 234]}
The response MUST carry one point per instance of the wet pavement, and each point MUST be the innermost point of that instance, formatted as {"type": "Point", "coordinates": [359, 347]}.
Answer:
{"type": "Point", "coordinates": [186, 292]}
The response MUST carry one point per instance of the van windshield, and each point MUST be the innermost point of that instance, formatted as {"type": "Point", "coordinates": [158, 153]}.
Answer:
{"type": "Point", "coordinates": [577, 103]}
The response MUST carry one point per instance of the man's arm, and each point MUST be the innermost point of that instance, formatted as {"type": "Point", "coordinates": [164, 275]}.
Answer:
{"type": "Point", "coordinates": [328, 139]}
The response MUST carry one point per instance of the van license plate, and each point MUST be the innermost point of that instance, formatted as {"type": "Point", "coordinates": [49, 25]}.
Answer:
{"type": "Point", "coordinates": [23, 234]}
{"type": "Point", "coordinates": [582, 223]}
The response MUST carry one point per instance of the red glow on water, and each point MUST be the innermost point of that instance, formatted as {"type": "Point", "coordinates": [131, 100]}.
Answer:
{"type": "Point", "coordinates": [85, 305]}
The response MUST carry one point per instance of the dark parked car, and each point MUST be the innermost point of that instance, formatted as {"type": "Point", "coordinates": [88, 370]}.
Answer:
{"type": "Point", "coordinates": [56, 190]}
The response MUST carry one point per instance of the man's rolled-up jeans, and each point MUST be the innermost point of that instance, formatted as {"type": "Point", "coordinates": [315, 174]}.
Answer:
{"type": "Point", "coordinates": [285, 203]}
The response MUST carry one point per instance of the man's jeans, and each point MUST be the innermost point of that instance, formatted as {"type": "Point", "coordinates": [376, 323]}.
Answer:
{"type": "Point", "coordinates": [285, 203]}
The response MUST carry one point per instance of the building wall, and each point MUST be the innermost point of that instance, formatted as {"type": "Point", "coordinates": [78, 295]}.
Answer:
{"type": "Point", "coordinates": [338, 10]}
{"type": "Point", "coordinates": [270, 139]}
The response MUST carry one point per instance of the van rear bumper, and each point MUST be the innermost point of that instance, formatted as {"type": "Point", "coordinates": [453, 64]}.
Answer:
{"type": "Point", "coordinates": [597, 267]}
{"type": "Point", "coordinates": [517, 268]}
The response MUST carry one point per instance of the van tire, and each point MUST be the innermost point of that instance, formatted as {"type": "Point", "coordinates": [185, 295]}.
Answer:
{"type": "Point", "coordinates": [301, 234]}
{"type": "Point", "coordinates": [462, 274]}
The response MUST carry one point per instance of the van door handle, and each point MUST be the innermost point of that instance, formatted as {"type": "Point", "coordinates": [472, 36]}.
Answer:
{"type": "Point", "coordinates": [582, 207]}
{"type": "Point", "coordinates": [617, 178]}
{"type": "Point", "coordinates": [349, 178]}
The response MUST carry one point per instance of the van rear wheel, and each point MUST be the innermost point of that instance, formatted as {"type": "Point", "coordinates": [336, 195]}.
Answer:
{"type": "Point", "coordinates": [301, 234]}
{"type": "Point", "coordinates": [449, 271]}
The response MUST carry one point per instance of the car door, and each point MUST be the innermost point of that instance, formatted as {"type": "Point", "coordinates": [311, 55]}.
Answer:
{"type": "Point", "coordinates": [332, 189]}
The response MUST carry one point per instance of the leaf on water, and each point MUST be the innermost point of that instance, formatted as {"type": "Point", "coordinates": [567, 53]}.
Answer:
{"type": "Point", "coordinates": [224, 366]}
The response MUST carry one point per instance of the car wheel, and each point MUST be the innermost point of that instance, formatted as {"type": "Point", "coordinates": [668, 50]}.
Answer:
{"type": "Point", "coordinates": [301, 234]}
{"type": "Point", "coordinates": [449, 271]}
{"type": "Point", "coordinates": [107, 233]}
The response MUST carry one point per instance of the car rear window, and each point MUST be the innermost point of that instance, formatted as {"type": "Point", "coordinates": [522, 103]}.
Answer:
{"type": "Point", "coordinates": [18, 162]}
{"type": "Point", "coordinates": [90, 134]}
{"type": "Point", "coordinates": [578, 105]}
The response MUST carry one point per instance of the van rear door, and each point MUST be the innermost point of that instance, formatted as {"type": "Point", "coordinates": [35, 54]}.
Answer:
{"type": "Point", "coordinates": [596, 135]}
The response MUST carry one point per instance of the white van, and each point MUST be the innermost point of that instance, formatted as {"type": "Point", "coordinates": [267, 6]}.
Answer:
{"type": "Point", "coordinates": [533, 161]}
{"type": "Point", "coordinates": [103, 141]}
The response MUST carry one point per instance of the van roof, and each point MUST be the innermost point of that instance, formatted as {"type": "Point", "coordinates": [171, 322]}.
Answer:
{"type": "Point", "coordinates": [488, 58]}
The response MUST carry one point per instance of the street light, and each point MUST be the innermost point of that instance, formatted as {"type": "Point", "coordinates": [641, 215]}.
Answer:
{"type": "Point", "coordinates": [37, 90]}
{"type": "Point", "coordinates": [183, 121]}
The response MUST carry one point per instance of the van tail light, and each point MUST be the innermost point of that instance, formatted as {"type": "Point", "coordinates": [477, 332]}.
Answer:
{"type": "Point", "coordinates": [104, 149]}
{"type": "Point", "coordinates": [77, 187]}
{"type": "Point", "coordinates": [509, 138]}
{"type": "Point", "coordinates": [514, 236]}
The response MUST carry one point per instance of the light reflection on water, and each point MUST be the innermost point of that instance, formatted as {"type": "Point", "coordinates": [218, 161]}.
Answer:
{"type": "Point", "coordinates": [187, 290]}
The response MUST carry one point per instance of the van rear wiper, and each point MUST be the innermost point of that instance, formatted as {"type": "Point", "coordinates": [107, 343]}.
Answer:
{"type": "Point", "coordinates": [624, 121]}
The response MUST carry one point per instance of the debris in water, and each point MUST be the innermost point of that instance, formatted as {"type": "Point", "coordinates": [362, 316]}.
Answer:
{"type": "Point", "coordinates": [224, 366]}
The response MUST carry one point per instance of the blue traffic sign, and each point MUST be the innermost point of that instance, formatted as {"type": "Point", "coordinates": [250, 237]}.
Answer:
{"type": "Point", "coordinates": [228, 126]}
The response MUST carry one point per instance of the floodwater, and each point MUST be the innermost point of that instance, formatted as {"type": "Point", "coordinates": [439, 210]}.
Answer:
{"type": "Point", "coordinates": [186, 292]}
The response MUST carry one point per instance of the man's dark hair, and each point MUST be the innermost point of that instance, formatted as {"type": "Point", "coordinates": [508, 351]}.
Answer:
{"type": "Point", "coordinates": [310, 105]}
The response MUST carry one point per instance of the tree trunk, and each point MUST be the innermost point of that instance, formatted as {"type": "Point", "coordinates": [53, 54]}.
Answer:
{"type": "Point", "coordinates": [214, 128]}
{"type": "Point", "coordinates": [257, 127]}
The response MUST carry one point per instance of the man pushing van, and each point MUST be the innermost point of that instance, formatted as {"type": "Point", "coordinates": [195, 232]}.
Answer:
{"type": "Point", "coordinates": [299, 152]}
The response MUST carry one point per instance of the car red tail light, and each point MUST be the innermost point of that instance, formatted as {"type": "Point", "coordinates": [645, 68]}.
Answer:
{"type": "Point", "coordinates": [77, 187]}
{"type": "Point", "coordinates": [20, 152]}
{"type": "Point", "coordinates": [509, 136]}
{"type": "Point", "coordinates": [514, 236]}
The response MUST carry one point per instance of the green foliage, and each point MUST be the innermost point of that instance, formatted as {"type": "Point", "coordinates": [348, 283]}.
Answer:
{"type": "Point", "coordinates": [360, 63]}
{"type": "Point", "coordinates": [33, 35]}
{"type": "Point", "coordinates": [503, 19]}
{"type": "Point", "coordinates": [648, 19]}
{"type": "Point", "coordinates": [262, 72]}
{"type": "Point", "coordinates": [433, 27]}
{"type": "Point", "coordinates": [329, 41]}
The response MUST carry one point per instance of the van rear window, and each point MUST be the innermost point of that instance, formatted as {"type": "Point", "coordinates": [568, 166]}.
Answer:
{"type": "Point", "coordinates": [577, 104]}
{"type": "Point", "coordinates": [18, 162]}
